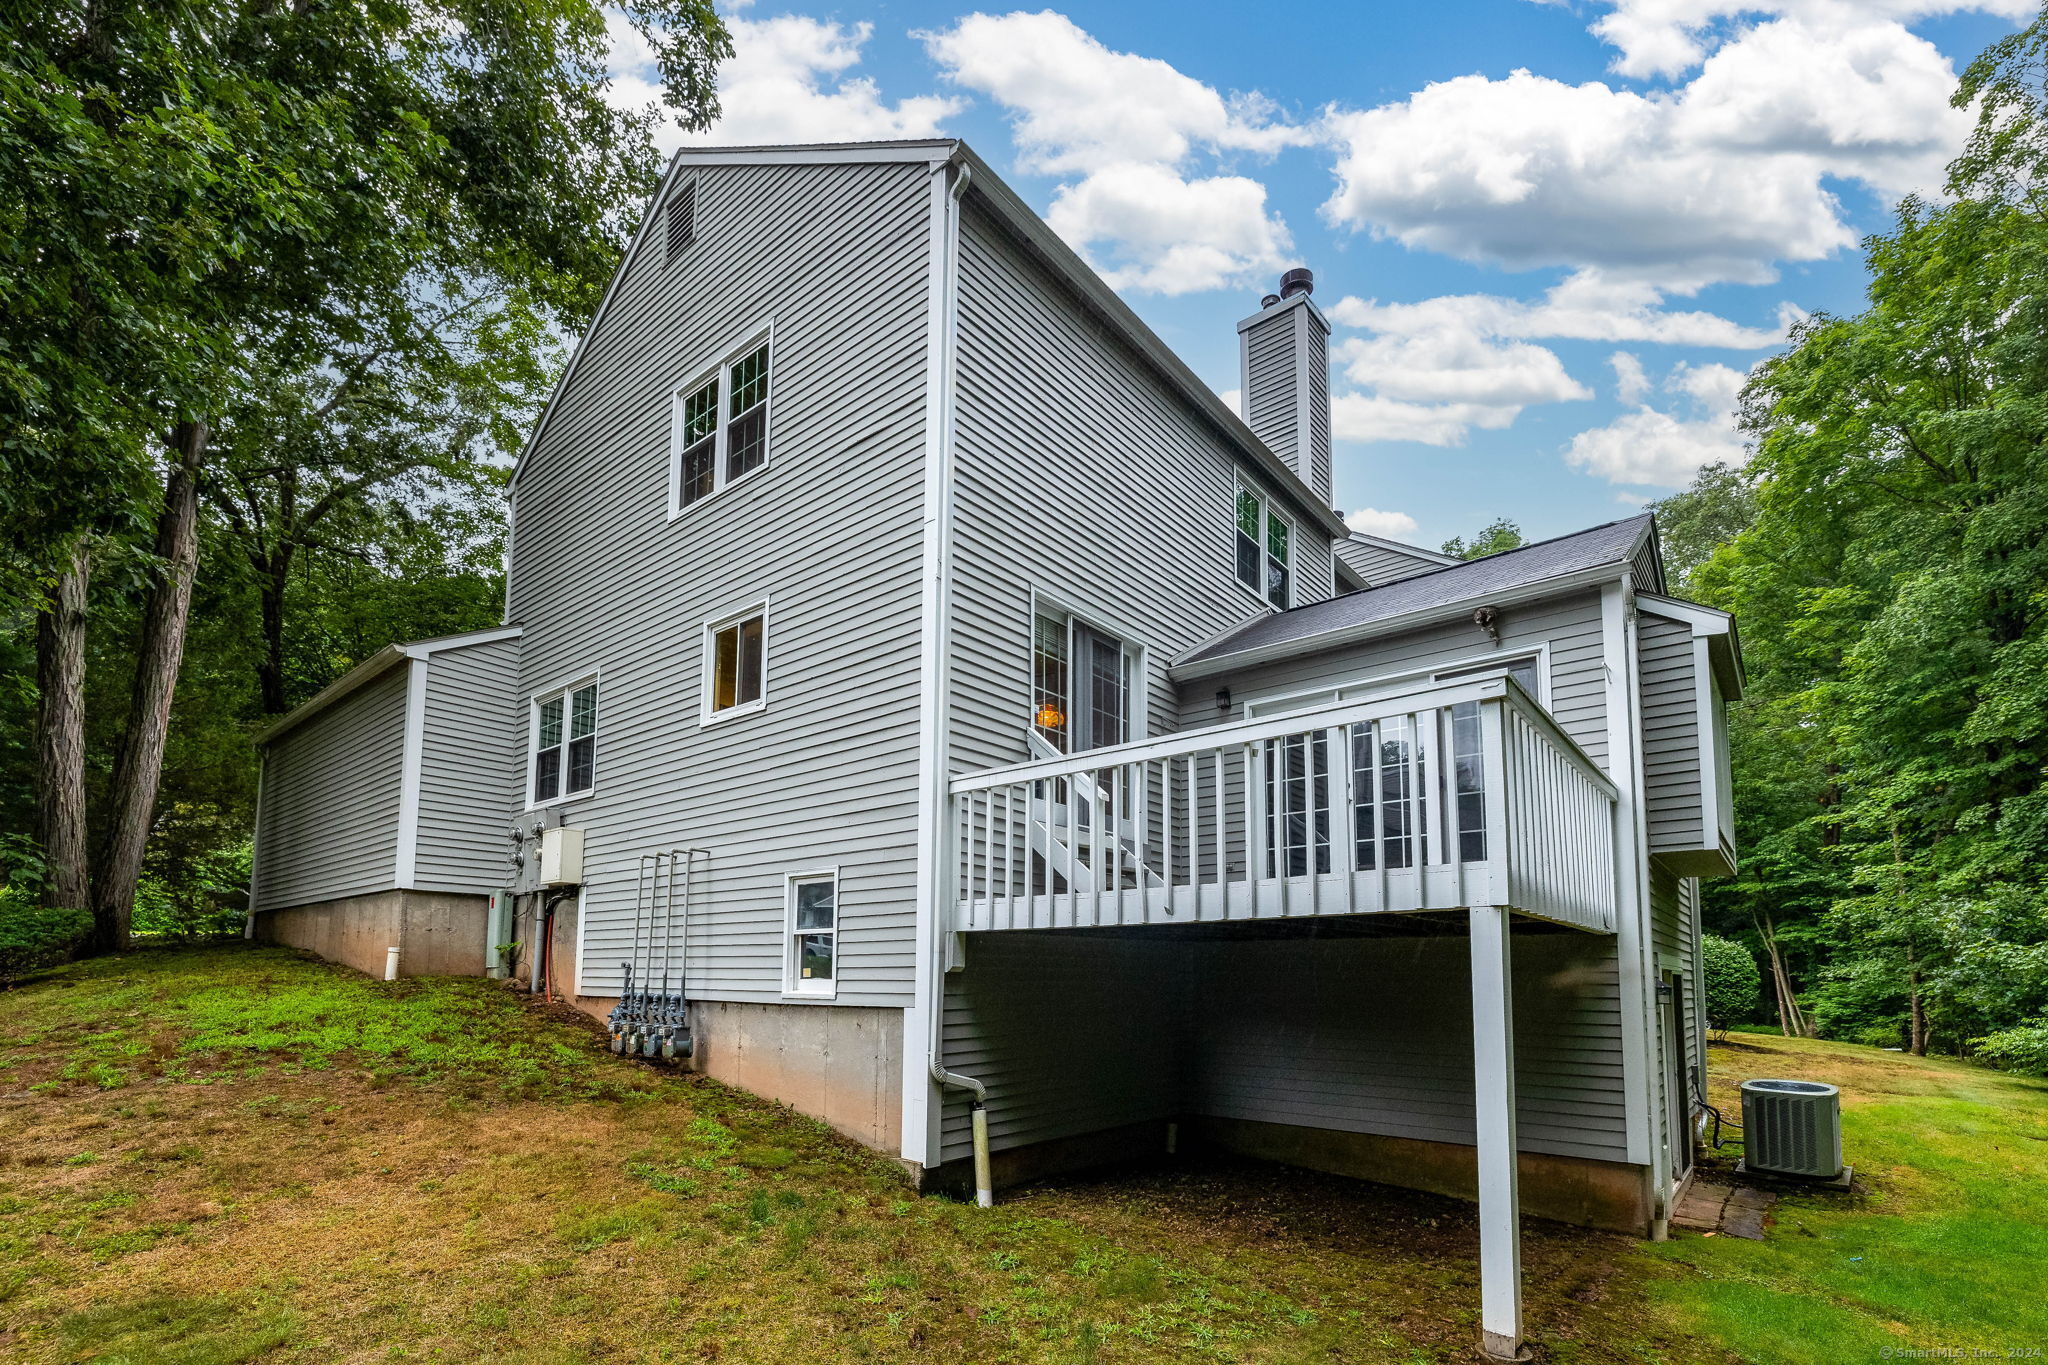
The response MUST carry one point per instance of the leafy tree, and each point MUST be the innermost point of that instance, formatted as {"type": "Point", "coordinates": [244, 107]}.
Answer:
{"type": "Point", "coordinates": [1692, 524]}
{"type": "Point", "coordinates": [1731, 981]}
{"type": "Point", "coordinates": [1501, 535]}
{"type": "Point", "coordinates": [191, 184]}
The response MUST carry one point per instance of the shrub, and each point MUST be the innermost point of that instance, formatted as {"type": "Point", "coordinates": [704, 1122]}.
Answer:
{"type": "Point", "coordinates": [34, 936]}
{"type": "Point", "coordinates": [2023, 1049]}
{"type": "Point", "coordinates": [1732, 982]}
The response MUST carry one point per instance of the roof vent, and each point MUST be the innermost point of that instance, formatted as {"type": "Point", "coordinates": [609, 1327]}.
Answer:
{"type": "Point", "coordinates": [1297, 281]}
{"type": "Point", "coordinates": [1269, 300]}
{"type": "Point", "coordinates": [682, 220]}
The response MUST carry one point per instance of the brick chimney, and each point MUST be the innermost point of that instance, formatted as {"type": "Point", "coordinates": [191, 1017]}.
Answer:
{"type": "Point", "coordinates": [1285, 354]}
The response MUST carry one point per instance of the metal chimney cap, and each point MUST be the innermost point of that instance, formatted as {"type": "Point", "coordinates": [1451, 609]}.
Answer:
{"type": "Point", "coordinates": [1269, 300]}
{"type": "Point", "coordinates": [1297, 281]}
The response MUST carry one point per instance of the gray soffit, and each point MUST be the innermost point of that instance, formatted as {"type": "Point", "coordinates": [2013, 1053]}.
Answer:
{"type": "Point", "coordinates": [1562, 558]}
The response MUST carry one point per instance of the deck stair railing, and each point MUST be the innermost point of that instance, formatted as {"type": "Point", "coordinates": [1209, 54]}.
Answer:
{"type": "Point", "coordinates": [1457, 794]}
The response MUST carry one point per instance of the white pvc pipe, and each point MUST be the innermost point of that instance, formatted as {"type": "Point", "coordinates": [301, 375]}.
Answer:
{"type": "Point", "coordinates": [984, 1191]}
{"type": "Point", "coordinates": [391, 963]}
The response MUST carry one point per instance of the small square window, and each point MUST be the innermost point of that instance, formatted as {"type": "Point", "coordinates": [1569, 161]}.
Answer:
{"type": "Point", "coordinates": [811, 957]}
{"type": "Point", "coordinates": [737, 659]}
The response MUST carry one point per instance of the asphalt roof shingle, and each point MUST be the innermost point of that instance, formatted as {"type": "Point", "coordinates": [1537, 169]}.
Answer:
{"type": "Point", "coordinates": [1438, 587]}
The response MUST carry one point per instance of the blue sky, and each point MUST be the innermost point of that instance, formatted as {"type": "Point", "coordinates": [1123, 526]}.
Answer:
{"type": "Point", "coordinates": [1553, 236]}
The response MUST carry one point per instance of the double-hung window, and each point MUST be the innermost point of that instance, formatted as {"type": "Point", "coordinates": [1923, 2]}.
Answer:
{"type": "Point", "coordinates": [736, 665]}
{"type": "Point", "coordinates": [811, 953]}
{"type": "Point", "coordinates": [564, 742]}
{"type": "Point", "coordinates": [720, 426]}
{"type": "Point", "coordinates": [1264, 542]}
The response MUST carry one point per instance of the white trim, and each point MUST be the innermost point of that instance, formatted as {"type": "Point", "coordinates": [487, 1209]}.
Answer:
{"type": "Point", "coordinates": [1493, 1103]}
{"type": "Point", "coordinates": [1703, 620]}
{"type": "Point", "coordinates": [921, 1114]}
{"type": "Point", "coordinates": [255, 844]}
{"type": "Point", "coordinates": [1137, 690]}
{"type": "Point", "coordinates": [575, 683]}
{"type": "Point", "coordinates": [707, 664]}
{"type": "Point", "coordinates": [792, 987]}
{"type": "Point", "coordinates": [933, 151]}
{"type": "Point", "coordinates": [1631, 921]}
{"type": "Point", "coordinates": [405, 868]}
{"type": "Point", "coordinates": [582, 923]}
{"type": "Point", "coordinates": [1401, 680]}
{"type": "Point", "coordinates": [1397, 624]}
{"type": "Point", "coordinates": [1268, 507]}
{"type": "Point", "coordinates": [422, 649]}
{"type": "Point", "coordinates": [719, 371]}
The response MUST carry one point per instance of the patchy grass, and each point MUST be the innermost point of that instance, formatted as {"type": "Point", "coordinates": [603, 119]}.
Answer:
{"type": "Point", "coordinates": [1944, 1250]}
{"type": "Point", "coordinates": [212, 1156]}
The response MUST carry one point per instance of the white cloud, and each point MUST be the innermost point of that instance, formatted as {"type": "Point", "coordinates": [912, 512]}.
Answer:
{"type": "Point", "coordinates": [1720, 179]}
{"type": "Point", "coordinates": [1374, 522]}
{"type": "Point", "coordinates": [1232, 399]}
{"type": "Point", "coordinates": [1665, 448]}
{"type": "Point", "coordinates": [1586, 306]}
{"type": "Point", "coordinates": [1435, 368]}
{"type": "Point", "coordinates": [1670, 37]}
{"type": "Point", "coordinates": [1369, 417]}
{"type": "Point", "coordinates": [1133, 136]}
{"type": "Point", "coordinates": [1630, 382]}
{"type": "Point", "coordinates": [787, 81]}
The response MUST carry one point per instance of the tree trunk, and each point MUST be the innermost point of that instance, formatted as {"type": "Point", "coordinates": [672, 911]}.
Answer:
{"type": "Point", "coordinates": [1918, 1005]}
{"type": "Point", "coordinates": [1791, 1020]}
{"type": "Point", "coordinates": [60, 735]}
{"type": "Point", "coordinates": [270, 669]}
{"type": "Point", "coordinates": [139, 763]}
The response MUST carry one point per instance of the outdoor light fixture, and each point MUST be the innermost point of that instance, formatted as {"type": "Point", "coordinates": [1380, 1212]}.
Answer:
{"type": "Point", "coordinates": [1223, 700]}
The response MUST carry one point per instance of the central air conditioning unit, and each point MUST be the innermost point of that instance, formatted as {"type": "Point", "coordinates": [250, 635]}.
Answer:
{"type": "Point", "coordinates": [1792, 1128]}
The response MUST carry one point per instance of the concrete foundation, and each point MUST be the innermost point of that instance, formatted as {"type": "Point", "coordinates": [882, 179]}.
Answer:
{"type": "Point", "coordinates": [436, 933]}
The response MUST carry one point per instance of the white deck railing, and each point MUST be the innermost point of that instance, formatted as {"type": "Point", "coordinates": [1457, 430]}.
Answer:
{"type": "Point", "coordinates": [1457, 795]}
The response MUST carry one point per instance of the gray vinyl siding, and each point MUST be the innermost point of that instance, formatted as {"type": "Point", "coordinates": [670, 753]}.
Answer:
{"type": "Point", "coordinates": [1269, 397]}
{"type": "Point", "coordinates": [1071, 1034]}
{"type": "Point", "coordinates": [1074, 1033]}
{"type": "Point", "coordinates": [328, 822]}
{"type": "Point", "coordinates": [471, 765]}
{"type": "Point", "coordinates": [829, 533]}
{"type": "Point", "coordinates": [1319, 474]}
{"type": "Point", "coordinates": [1672, 736]}
{"type": "Point", "coordinates": [1378, 565]}
{"type": "Point", "coordinates": [1644, 568]}
{"type": "Point", "coordinates": [1695, 983]}
{"type": "Point", "coordinates": [1375, 1036]}
{"type": "Point", "coordinates": [1569, 624]}
{"type": "Point", "coordinates": [1081, 476]}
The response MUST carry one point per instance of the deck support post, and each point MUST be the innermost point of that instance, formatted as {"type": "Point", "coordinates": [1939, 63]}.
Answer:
{"type": "Point", "coordinates": [1493, 1095]}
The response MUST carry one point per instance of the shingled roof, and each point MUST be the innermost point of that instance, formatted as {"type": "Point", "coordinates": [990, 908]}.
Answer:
{"type": "Point", "coordinates": [1612, 543]}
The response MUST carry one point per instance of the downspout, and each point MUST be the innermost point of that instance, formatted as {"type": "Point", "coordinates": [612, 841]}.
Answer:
{"type": "Point", "coordinates": [984, 1186]}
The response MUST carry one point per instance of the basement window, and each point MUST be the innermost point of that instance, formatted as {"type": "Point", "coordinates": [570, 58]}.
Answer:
{"type": "Point", "coordinates": [719, 429]}
{"type": "Point", "coordinates": [811, 959]}
{"type": "Point", "coordinates": [564, 743]}
{"type": "Point", "coordinates": [1264, 541]}
{"type": "Point", "coordinates": [736, 665]}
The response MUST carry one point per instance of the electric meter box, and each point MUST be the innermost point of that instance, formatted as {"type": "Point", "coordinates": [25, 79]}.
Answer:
{"type": "Point", "coordinates": [561, 857]}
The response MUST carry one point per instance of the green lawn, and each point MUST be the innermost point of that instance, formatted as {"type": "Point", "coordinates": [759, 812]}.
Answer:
{"type": "Point", "coordinates": [1949, 1247]}
{"type": "Point", "coordinates": [234, 1154]}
